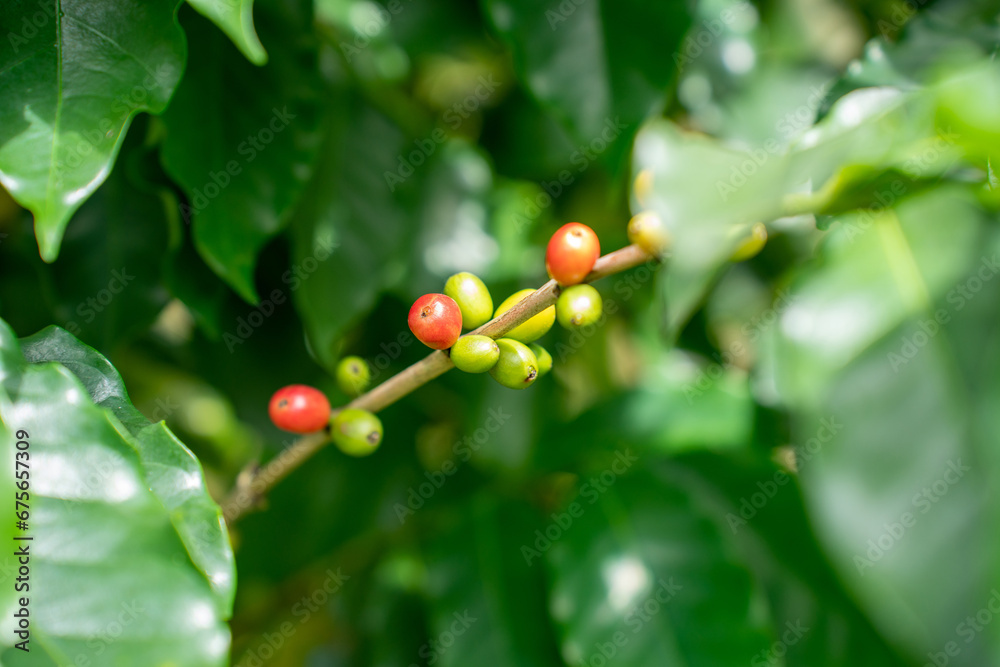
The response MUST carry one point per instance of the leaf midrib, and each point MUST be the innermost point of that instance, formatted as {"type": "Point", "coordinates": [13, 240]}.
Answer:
{"type": "Point", "coordinates": [50, 187]}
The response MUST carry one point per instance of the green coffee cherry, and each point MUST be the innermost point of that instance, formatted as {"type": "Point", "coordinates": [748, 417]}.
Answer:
{"type": "Point", "coordinates": [475, 354]}
{"type": "Point", "coordinates": [353, 375]}
{"type": "Point", "coordinates": [579, 306]}
{"type": "Point", "coordinates": [517, 367]}
{"type": "Point", "coordinates": [543, 357]}
{"type": "Point", "coordinates": [356, 432]}
{"type": "Point", "coordinates": [534, 328]}
{"type": "Point", "coordinates": [472, 297]}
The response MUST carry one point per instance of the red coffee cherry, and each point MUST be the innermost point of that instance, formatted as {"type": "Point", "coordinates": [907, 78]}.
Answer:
{"type": "Point", "coordinates": [299, 409]}
{"type": "Point", "coordinates": [436, 321]}
{"type": "Point", "coordinates": [571, 253]}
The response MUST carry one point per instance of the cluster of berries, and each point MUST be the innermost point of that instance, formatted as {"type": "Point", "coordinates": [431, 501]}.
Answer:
{"type": "Point", "coordinates": [515, 360]}
{"type": "Point", "coordinates": [437, 320]}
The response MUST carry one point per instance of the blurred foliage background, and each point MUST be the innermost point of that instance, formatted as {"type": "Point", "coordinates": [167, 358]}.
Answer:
{"type": "Point", "coordinates": [790, 460]}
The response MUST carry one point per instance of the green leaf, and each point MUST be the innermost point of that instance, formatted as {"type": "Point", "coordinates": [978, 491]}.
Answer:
{"type": "Point", "coordinates": [642, 575]}
{"type": "Point", "coordinates": [71, 82]}
{"type": "Point", "coordinates": [115, 521]}
{"type": "Point", "coordinates": [106, 284]}
{"type": "Point", "coordinates": [878, 271]}
{"type": "Point", "coordinates": [902, 489]}
{"type": "Point", "coordinates": [601, 68]}
{"type": "Point", "coordinates": [172, 471]}
{"type": "Point", "coordinates": [485, 594]}
{"type": "Point", "coordinates": [235, 18]}
{"type": "Point", "coordinates": [760, 509]}
{"type": "Point", "coordinates": [241, 141]}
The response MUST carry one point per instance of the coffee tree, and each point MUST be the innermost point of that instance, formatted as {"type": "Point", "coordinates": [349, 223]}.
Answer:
{"type": "Point", "coordinates": [644, 333]}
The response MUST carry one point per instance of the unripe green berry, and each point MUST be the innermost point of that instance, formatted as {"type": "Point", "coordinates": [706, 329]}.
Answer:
{"type": "Point", "coordinates": [534, 328]}
{"type": "Point", "coordinates": [475, 354]}
{"type": "Point", "coordinates": [517, 367]}
{"type": "Point", "coordinates": [579, 306]}
{"type": "Point", "coordinates": [543, 357]}
{"type": "Point", "coordinates": [353, 375]}
{"type": "Point", "coordinates": [472, 297]}
{"type": "Point", "coordinates": [356, 432]}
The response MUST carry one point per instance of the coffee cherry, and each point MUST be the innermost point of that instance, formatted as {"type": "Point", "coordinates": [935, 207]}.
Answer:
{"type": "Point", "coordinates": [647, 231]}
{"type": "Point", "coordinates": [579, 306]}
{"type": "Point", "coordinates": [571, 253]}
{"type": "Point", "coordinates": [436, 321]}
{"type": "Point", "coordinates": [751, 245]}
{"type": "Point", "coordinates": [472, 297]}
{"type": "Point", "coordinates": [517, 367]}
{"type": "Point", "coordinates": [543, 357]}
{"type": "Point", "coordinates": [299, 409]}
{"type": "Point", "coordinates": [353, 375]}
{"type": "Point", "coordinates": [475, 354]}
{"type": "Point", "coordinates": [532, 329]}
{"type": "Point", "coordinates": [356, 432]}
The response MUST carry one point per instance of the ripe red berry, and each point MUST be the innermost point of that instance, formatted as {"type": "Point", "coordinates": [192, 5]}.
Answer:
{"type": "Point", "coordinates": [436, 321]}
{"type": "Point", "coordinates": [571, 253]}
{"type": "Point", "coordinates": [299, 408]}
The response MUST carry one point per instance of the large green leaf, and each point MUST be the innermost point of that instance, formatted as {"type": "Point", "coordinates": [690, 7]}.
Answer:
{"type": "Point", "coordinates": [759, 507]}
{"type": "Point", "coordinates": [488, 604]}
{"type": "Point", "coordinates": [72, 76]}
{"type": "Point", "coordinates": [235, 18]}
{"type": "Point", "coordinates": [106, 284]}
{"type": "Point", "coordinates": [599, 67]}
{"type": "Point", "coordinates": [241, 141]}
{"type": "Point", "coordinates": [906, 361]}
{"type": "Point", "coordinates": [172, 471]}
{"type": "Point", "coordinates": [642, 576]}
{"type": "Point", "coordinates": [123, 569]}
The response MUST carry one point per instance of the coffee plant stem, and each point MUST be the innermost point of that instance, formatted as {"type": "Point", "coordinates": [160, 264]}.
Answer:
{"type": "Point", "coordinates": [253, 485]}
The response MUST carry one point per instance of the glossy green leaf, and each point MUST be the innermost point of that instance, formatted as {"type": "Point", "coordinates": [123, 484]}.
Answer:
{"type": "Point", "coordinates": [601, 68]}
{"type": "Point", "coordinates": [880, 270]}
{"type": "Point", "coordinates": [72, 80]}
{"type": "Point", "coordinates": [900, 492]}
{"type": "Point", "coordinates": [759, 509]}
{"type": "Point", "coordinates": [172, 472]}
{"type": "Point", "coordinates": [643, 576]}
{"type": "Point", "coordinates": [118, 576]}
{"type": "Point", "coordinates": [241, 141]}
{"type": "Point", "coordinates": [235, 18]}
{"type": "Point", "coordinates": [480, 582]}
{"type": "Point", "coordinates": [106, 285]}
